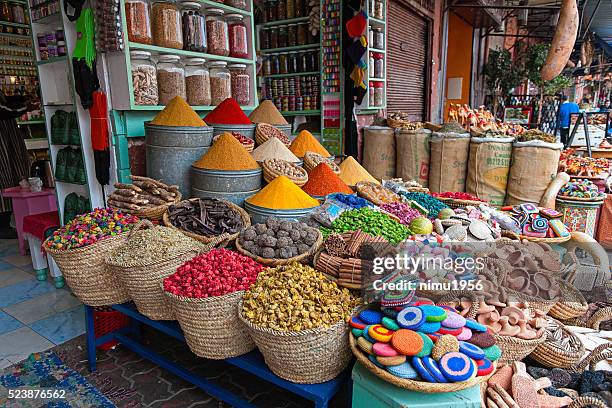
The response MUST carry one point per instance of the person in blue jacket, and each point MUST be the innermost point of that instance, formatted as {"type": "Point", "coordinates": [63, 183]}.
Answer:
{"type": "Point", "coordinates": [565, 110]}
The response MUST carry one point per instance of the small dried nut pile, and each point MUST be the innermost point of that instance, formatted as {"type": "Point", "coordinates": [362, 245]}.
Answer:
{"type": "Point", "coordinates": [265, 131]}
{"type": "Point", "coordinates": [143, 193]}
{"type": "Point", "coordinates": [278, 239]}
{"type": "Point", "coordinates": [296, 297]}
{"type": "Point", "coordinates": [285, 168]}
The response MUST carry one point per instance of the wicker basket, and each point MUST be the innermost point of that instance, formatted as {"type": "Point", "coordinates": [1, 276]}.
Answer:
{"type": "Point", "coordinates": [571, 305]}
{"type": "Point", "coordinates": [219, 240]}
{"type": "Point", "coordinates": [312, 160]}
{"type": "Point", "coordinates": [552, 356]}
{"type": "Point", "coordinates": [154, 213]}
{"type": "Point", "coordinates": [86, 274]}
{"type": "Point", "coordinates": [142, 282]}
{"type": "Point", "coordinates": [262, 137]}
{"type": "Point", "coordinates": [278, 261]}
{"type": "Point", "coordinates": [362, 190]}
{"type": "Point", "coordinates": [456, 203]}
{"type": "Point", "coordinates": [515, 349]}
{"type": "Point", "coordinates": [419, 386]}
{"type": "Point", "coordinates": [270, 174]}
{"type": "Point", "coordinates": [211, 325]}
{"type": "Point", "coordinates": [309, 356]}
{"type": "Point", "coordinates": [586, 401]}
{"type": "Point", "coordinates": [599, 353]}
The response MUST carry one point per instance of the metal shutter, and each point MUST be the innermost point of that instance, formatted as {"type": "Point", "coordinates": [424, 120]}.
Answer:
{"type": "Point", "coordinates": [407, 60]}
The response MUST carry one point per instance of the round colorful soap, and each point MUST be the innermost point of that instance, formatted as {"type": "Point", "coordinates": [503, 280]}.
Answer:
{"type": "Point", "coordinates": [411, 318]}
{"type": "Point", "coordinates": [433, 313]}
{"type": "Point", "coordinates": [431, 366]}
{"type": "Point", "coordinates": [482, 339]}
{"type": "Point", "coordinates": [474, 325]}
{"type": "Point", "coordinates": [365, 345]}
{"type": "Point", "coordinates": [465, 335]}
{"type": "Point", "coordinates": [390, 323]}
{"type": "Point", "coordinates": [457, 366]}
{"type": "Point", "coordinates": [452, 332]}
{"type": "Point", "coordinates": [430, 327]}
{"type": "Point", "coordinates": [380, 333]}
{"type": "Point", "coordinates": [357, 332]}
{"type": "Point", "coordinates": [421, 302]}
{"type": "Point", "coordinates": [384, 350]}
{"type": "Point", "coordinates": [407, 342]}
{"type": "Point", "coordinates": [419, 367]}
{"type": "Point", "coordinates": [427, 345]}
{"type": "Point", "coordinates": [471, 350]}
{"type": "Point", "coordinates": [493, 353]}
{"type": "Point", "coordinates": [371, 316]}
{"type": "Point", "coordinates": [357, 323]}
{"type": "Point", "coordinates": [375, 362]}
{"type": "Point", "coordinates": [485, 367]}
{"type": "Point", "coordinates": [403, 371]}
{"type": "Point", "coordinates": [390, 312]}
{"type": "Point", "coordinates": [453, 320]}
{"type": "Point", "coordinates": [366, 334]}
{"type": "Point", "coordinates": [391, 361]}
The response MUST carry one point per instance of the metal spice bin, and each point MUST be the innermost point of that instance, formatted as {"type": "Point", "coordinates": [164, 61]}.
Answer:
{"type": "Point", "coordinates": [231, 185]}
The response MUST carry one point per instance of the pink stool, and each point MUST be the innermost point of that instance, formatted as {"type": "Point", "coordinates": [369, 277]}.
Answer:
{"type": "Point", "coordinates": [35, 227]}
{"type": "Point", "coordinates": [26, 202]}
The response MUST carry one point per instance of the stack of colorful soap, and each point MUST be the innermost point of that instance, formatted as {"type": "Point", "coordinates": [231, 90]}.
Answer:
{"type": "Point", "coordinates": [425, 342]}
{"type": "Point", "coordinates": [537, 222]}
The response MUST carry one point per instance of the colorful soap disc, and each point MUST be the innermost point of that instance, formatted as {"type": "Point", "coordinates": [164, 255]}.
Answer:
{"type": "Point", "coordinates": [407, 342]}
{"type": "Point", "coordinates": [375, 362]}
{"type": "Point", "coordinates": [485, 367]}
{"type": "Point", "coordinates": [482, 339]}
{"type": "Point", "coordinates": [403, 371]}
{"type": "Point", "coordinates": [392, 313]}
{"type": "Point", "coordinates": [419, 367]}
{"type": "Point", "coordinates": [456, 366]}
{"type": "Point", "coordinates": [493, 353]}
{"type": "Point", "coordinates": [474, 325]}
{"type": "Point", "coordinates": [430, 327]}
{"type": "Point", "coordinates": [357, 323]}
{"type": "Point", "coordinates": [365, 345]}
{"type": "Point", "coordinates": [433, 336]}
{"type": "Point", "coordinates": [384, 350]}
{"type": "Point", "coordinates": [452, 332]}
{"type": "Point", "coordinates": [427, 345]}
{"type": "Point", "coordinates": [422, 302]}
{"type": "Point", "coordinates": [357, 332]}
{"type": "Point", "coordinates": [380, 333]}
{"type": "Point", "coordinates": [471, 350]}
{"type": "Point", "coordinates": [453, 320]}
{"type": "Point", "coordinates": [391, 361]}
{"type": "Point", "coordinates": [371, 317]}
{"type": "Point", "coordinates": [366, 334]}
{"type": "Point", "coordinates": [390, 323]}
{"type": "Point", "coordinates": [465, 335]}
{"type": "Point", "coordinates": [411, 318]}
{"type": "Point", "coordinates": [431, 366]}
{"type": "Point", "coordinates": [433, 313]}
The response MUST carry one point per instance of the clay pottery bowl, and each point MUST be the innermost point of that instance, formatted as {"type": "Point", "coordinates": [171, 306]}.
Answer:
{"type": "Point", "coordinates": [514, 314]}
{"type": "Point", "coordinates": [518, 279]}
{"type": "Point", "coordinates": [515, 258]}
{"type": "Point", "coordinates": [543, 281]}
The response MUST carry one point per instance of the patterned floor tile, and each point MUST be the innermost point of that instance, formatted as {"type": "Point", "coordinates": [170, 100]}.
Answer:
{"type": "Point", "coordinates": [20, 343]}
{"type": "Point", "coordinates": [8, 323]}
{"type": "Point", "coordinates": [43, 306]}
{"type": "Point", "coordinates": [13, 275]}
{"type": "Point", "coordinates": [23, 291]}
{"type": "Point", "coordinates": [18, 260]}
{"type": "Point", "coordinates": [62, 326]}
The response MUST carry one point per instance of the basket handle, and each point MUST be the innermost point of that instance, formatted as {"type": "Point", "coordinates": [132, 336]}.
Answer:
{"type": "Point", "coordinates": [600, 316]}
{"type": "Point", "coordinates": [590, 245]}
{"type": "Point", "coordinates": [598, 354]}
{"type": "Point", "coordinates": [139, 225]}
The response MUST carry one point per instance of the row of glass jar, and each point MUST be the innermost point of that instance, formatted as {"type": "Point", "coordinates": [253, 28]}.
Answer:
{"type": "Point", "coordinates": [188, 26]}
{"type": "Point", "coordinates": [294, 62]}
{"type": "Point", "coordinates": [377, 65]}
{"type": "Point", "coordinates": [377, 93]}
{"type": "Point", "coordinates": [45, 10]}
{"type": "Point", "coordinates": [13, 12]}
{"type": "Point", "coordinates": [276, 10]}
{"type": "Point", "coordinates": [288, 35]}
{"type": "Point", "coordinates": [376, 9]}
{"type": "Point", "coordinates": [376, 37]}
{"type": "Point", "coordinates": [198, 82]}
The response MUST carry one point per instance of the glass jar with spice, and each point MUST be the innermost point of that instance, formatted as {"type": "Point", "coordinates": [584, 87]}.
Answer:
{"type": "Point", "coordinates": [302, 33]}
{"type": "Point", "coordinates": [5, 11]}
{"type": "Point", "coordinates": [282, 36]}
{"type": "Point", "coordinates": [274, 64]}
{"type": "Point", "coordinates": [299, 8]}
{"type": "Point", "coordinates": [167, 29]}
{"type": "Point", "coordinates": [371, 94]}
{"type": "Point", "coordinates": [281, 10]}
{"type": "Point", "coordinates": [240, 4]}
{"type": "Point", "coordinates": [144, 78]}
{"type": "Point", "coordinates": [138, 21]}
{"type": "Point", "coordinates": [194, 27]}
{"type": "Point", "coordinates": [379, 93]}
{"type": "Point", "coordinates": [371, 8]}
{"type": "Point", "coordinates": [293, 62]}
{"type": "Point", "coordinates": [197, 82]}
{"type": "Point", "coordinates": [291, 35]}
{"type": "Point", "coordinates": [264, 38]}
{"type": "Point", "coordinates": [170, 78]}
{"type": "Point", "coordinates": [266, 65]}
{"type": "Point", "coordinates": [283, 61]}
{"type": "Point", "coordinates": [238, 37]}
{"type": "Point", "coordinates": [290, 9]}
{"type": "Point", "coordinates": [379, 9]}
{"type": "Point", "coordinates": [241, 84]}
{"type": "Point", "coordinates": [271, 11]}
{"type": "Point", "coordinates": [379, 65]}
{"type": "Point", "coordinates": [18, 13]}
{"type": "Point", "coordinates": [274, 37]}
{"type": "Point", "coordinates": [314, 60]}
{"type": "Point", "coordinates": [379, 39]}
{"type": "Point", "coordinates": [220, 82]}
{"type": "Point", "coordinates": [217, 33]}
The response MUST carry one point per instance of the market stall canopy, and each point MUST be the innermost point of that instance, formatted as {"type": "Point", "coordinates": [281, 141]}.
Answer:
{"type": "Point", "coordinates": [479, 13]}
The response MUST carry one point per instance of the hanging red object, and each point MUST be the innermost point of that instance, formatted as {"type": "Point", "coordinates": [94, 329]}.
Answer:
{"type": "Point", "coordinates": [98, 113]}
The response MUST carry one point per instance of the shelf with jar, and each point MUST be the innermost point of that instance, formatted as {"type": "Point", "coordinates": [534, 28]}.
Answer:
{"type": "Point", "coordinates": [194, 49]}
{"type": "Point", "coordinates": [376, 55]}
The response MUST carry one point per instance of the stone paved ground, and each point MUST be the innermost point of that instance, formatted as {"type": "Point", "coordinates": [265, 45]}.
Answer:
{"type": "Point", "coordinates": [131, 381]}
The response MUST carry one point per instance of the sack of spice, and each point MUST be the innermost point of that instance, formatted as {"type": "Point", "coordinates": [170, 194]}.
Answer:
{"type": "Point", "coordinates": [144, 259]}
{"type": "Point", "coordinates": [305, 342]}
{"type": "Point", "coordinates": [204, 293]}
{"type": "Point", "coordinates": [79, 248]}
{"type": "Point", "coordinates": [449, 152]}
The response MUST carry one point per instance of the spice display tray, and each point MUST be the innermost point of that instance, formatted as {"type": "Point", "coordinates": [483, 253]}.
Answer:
{"type": "Point", "coordinates": [253, 362]}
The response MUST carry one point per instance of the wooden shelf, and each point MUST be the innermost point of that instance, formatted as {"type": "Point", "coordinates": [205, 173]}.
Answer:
{"type": "Point", "coordinates": [209, 57]}
{"type": "Point", "coordinates": [376, 50]}
{"type": "Point", "coordinates": [291, 75]}
{"type": "Point", "coordinates": [288, 21]}
{"type": "Point", "coordinates": [11, 24]}
{"type": "Point", "coordinates": [376, 21]}
{"type": "Point", "coordinates": [31, 122]}
{"type": "Point", "coordinates": [214, 4]}
{"type": "Point", "coordinates": [36, 144]}
{"type": "Point", "coordinates": [302, 112]}
{"type": "Point", "coordinates": [23, 36]}
{"type": "Point", "coordinates": [293, 48]}
{"type": "Point", "coordinates": [195, 108]}
{"type": "Point", "coordinates": [52, 60]}
{"type": "Point", "coordinates": [51, 18]}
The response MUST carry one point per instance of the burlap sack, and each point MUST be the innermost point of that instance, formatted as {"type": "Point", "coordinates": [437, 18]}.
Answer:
{"type": "Point", "coordinates": [412, 155]}
{"type": "Point", "coordinates": [533, 166]}
{"type": "Point", "coordinates": [379, 151]}
{"type": "Point", "coordinates": [488, 167]}
{"type": "Point", "coordinates": [448, 161]}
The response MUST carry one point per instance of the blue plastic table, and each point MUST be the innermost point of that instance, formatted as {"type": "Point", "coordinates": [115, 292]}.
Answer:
{"type": "Point", "coordinates": [253, 362]}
